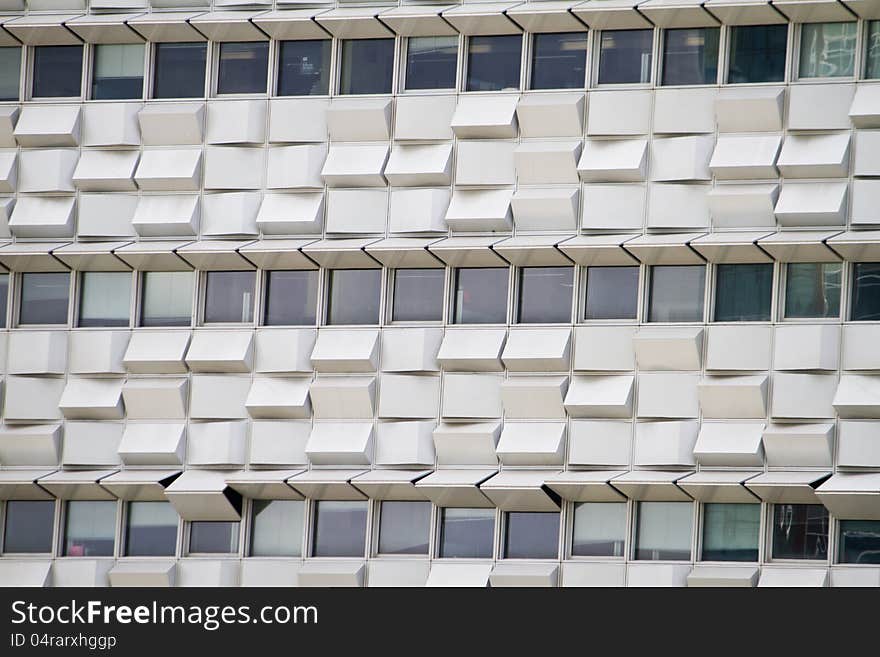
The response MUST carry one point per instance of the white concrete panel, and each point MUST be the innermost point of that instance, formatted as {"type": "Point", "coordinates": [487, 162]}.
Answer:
{"type": "Point", "coordinates": [92, 399]}
{"type": "Point", "coordinates": [216, 443]}
{"type": "Point", "coordinates": [811, 107]}
{"type": "Point", "coordinates": [733, 396]}
{"type": "Point", "coordinates": [858, 396]}
{"type": "Point", "coordinates": [296, 167]}
{"type": "Point", "coordinates": [234, 167]}
{"type": "Point", "coordinates": [105, 171]}
{"type": "Point", "coordinates": [276, 443]}
{"type": "Point", "coordinates": [604, 348]}
{"type": "Point", "coordinates": [357, 210]}
{"type": "Point", "coordinates": [172, 170]}
{"type": "Point", "coordinates": [661, 348]}
{"type": "Point", "coordinates": [221, 351]}
{"type": "Point", "coordinates": [749, 109]}
{"type": "Point", "coordinates": [546, 208]}
{"type": "Point", "coordinates": [172, 124]}
{"type": "Point", "coordinates": [668, 396]}
{"type": "Point", "coordinates": [485, 116]}
{"type": "Point", "coordinates": [359, 119]}
{"type": "Point", "coordinates": [665, 443]}
{"type": "Point", "coordinates": [744, 157]}
{"type": "Point", "coordinates": [48, 125]}
{"type": "Point", "coordinates": [806, 347]}
{"type": "Point", "coordinates": [619, 113]}
{"type": "Point", "coordinates": [424, 117]}
{"type": "Point", "coordinates": [600, 443]}
{"type": "Point", "coordinates": [736, 444]}
{"type": "Point", "coordinates": [865, 109]}
{"type": "Point", "coordinates": [418, 210]}
{"type": "Point", "coordinates": [236, 122]}
{"type": "Point", "coordinates": [741, 206]}
{"type": "Point", "coordinates": [485, 163]}
{"type": "Point", "coordinates": [41, 217]}
{"type": "Point", "coordinates": [732, 348]}
{"type": "Point", "coordinates": [469, 443]}
{"type": "Point", "coordinates": [37, 352]}
{"type": "Point", "coordinates": [532, 443]}
{"type": "Point", "coordinates": [280, 351]}
{"type": "Point", "coordinates": [337, 443]}
{"type": "Point", "coordinates": [613, 160]}
{"type": "Point", "coordinates": [471, 396]}
{"type": "Point", "coordinates": [857, 444]}
{"type": "Point", "coordinates": [815, 156]}
{"type": "Point", "coordinates": [149, 399]}
{"type": "Point", "coordinates": [680, 159]}
{"type": "Point", "coordinates": [106, 215]}
{"type": "Point", "coordinates": [858, 347]}
{"type": "Point", "coordinates": [803, 396]}
{"type": "Point", "coordinates": [274, 397]}
{"type": "Point", "coordinates": [167, 216]}
{"type": "Point", "coordinates": [355, 165]}
{"type": "Point", "coordinates": [411, 349]}
{"type": "Point", "coordinates": [157, 352]}
{"type": "Point", "coordinates": [480, 210]}
{"type": "Point", "coordinates": [91, 444]}
{"type": "Point", "coordinates": [684, 111]}
{"type": "Point", "coordinates": [537, 350]}
{"type": "Point", "coordinates": [344, 397]}
{"type": "Point", "coordinates": [218, 397]}
{"type": "Point", "coordinates": [38, 444]}
{"type": "Point", "coordinates": [678, 206]}
{"type": "Point", "coordinates": [812, 204]}
{"type": "Point", "coordinates": [551, 115]}
{"type": "Point", "coordinates": [153, 444]}
{"type": "Point", "coordinates": [472, 350]}
{"type": "Point", "coordinates": [342, 350]}
{"type": "Point", "coordinates": [600, 396]}
{"type": "Point", "coordinates": [32, 398]}
{"type": "Point", "coordinates": [298, 120]}
{"type": "Point", "coordinates": [48, 170]}
{"type": "Point", "coordinates": [409, 396]}
{"type": "Point", "coordinates": [613, 207]}
{"type": "Point", "coordinates": [799, 445]}
{"type": "Point", "coordinates": [547, 162]}
{"type": "Point", "coordinates": [289, 214]}
{"type": "Point", "coordinates": [534, 397]}
{"type": "Point", "coordinates": [405, 443]}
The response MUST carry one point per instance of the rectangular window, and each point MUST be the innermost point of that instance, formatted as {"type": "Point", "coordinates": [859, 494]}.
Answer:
{"type": "Point", "coordinates": [243, 67]}
{"type": "Point", "coordinates": [612, 293]}
{"type": "Point", "coordinates": [743, 293]}
{"type": "Point", "coordinates": [677, 293]}
{"type": "Point", "coordinates": [690, 56]}
{"type": "Point", "coordinates": [57, 71]}
{"type": "Point", "coordinates": [166, 298]}
{"type": "Point", "coordinates": [404, 527]}
{"type": "Point", "coordinates": [10, 73]}
{"type": "Point", "coordinates": [599, 529]}
{"type": "Point", "coordinates": [859, 541]}
{"type": "Point", "coordinates": [480, 296]}
{"type": "Point", "coordinates": [213, 537]}
{"type": "Point", "coordinates": [872, 51]}
{"type": "Point", "coordinates": [730, 532]}
{"type": "Point", "coordinates": [800, 531]}
{"type": "Point", "coordinates": [179, 70]}
{"type": "Point", "coordinates": [4, 298]}
{"type": "Point", "coordinates": [545, 295]}
{"type": "Point", "coordinates": [304, 68]}
{"type": "Point", "coordinates": [229, 296]}
{"type": "Point", "coordinates": [494, 62]}
{"type": "Point", "coordinates": [757, 53]}
{"type": "Point", "coordinates": [118, 71]}
{"type": "Point", "coordinates": [151, 530]}
{"type": "Point", "coordinates": [89, 528]}
{"type": "Point", "coordinates": [277, 528]}
{"type": "Point", "coordinates": [431, 62]}
{"type": "Point", "coordinates": [812, 290]}
{"type": "Point", "coordinates": [828, 50]}
{"type": "Point", "coordinates": [28, 526]}
{"type": "Point", "coordinates": [664, 531]}
{"type": "Point", "coordinates": [354, 296]}
{"type": "Point", "coordinates": [367, 66]}
{"type": "Point", "coordinates": [559, 61]}
{"type": "Point", "coordinates": [625, 56]}
{"type": "Point", "coordinates": [466, 533]}
{"type": "Point", "coordinates": [44, 298]}
{"type": "Point", "coordinates": [531, 535]}
{"type": "Point", "coordinates": [418, 295]}
{"type": "Point", "coordinates": [104, 298]}
{"type": "Point", "coordinates": [865, 300]}
{"type": "Point", "coordinates": [291, 298]}
{"type": "Point", "coordinates": [340, 529]}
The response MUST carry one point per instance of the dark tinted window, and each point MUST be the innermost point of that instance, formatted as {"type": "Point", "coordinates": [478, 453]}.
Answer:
{"type": "Point", "coordinates": [800, 531]}
{"type": "Point", "coordinates": [493, 62]}
{"type": "Point", "coordinates": [690, 56]}
{"type": "Point", "coordinates": [277, 528]}
{"type": "Point", "coordinates": [10, 73]}
{"type": "Point", "coordinates": [545, 295]}
{"type": "Point", "coordinates": [480, 296]}
{"type": "Point", "coordinates": [467, 533]}
{"type": "Point", "coordinates": [677, 293]}
{"type": "Point", "coordinates": [812, 289]}
{"type": "Point", "coordinates": [431, 62]}
{"type": "Point", "coordinates": [865, 292]}
{"type": "Point", "coordinates": [531, 535]}
{"type": "Point", "coordinates": [367, 66]}
{"type": "Point", "coordinates": [418, 295]}
{"type": "Point", "coordinates": [179, 70]}
{"type": "Point", "coordinates": [229, 296]}
{"type": "Point", "coordinates": [291, 298]}
{"type": "Point", "coordinates": [872, 54]}
{"type": "Point", "coordinates": [304, 68]}
{"type": "Point", "coordinates": [743, 292]}
{"type": "Point", "coordinates": [612, 293]}
{"type": "Point", "coordinates": [213, 537]}
{"type": "Point", "coordinates": [340, 529]}
{"type": "Point", "coordinates": [118, 71]}
{"type": "Point", "coordinates": [89, 528]}
{"type": "Point", "coordinates": [44, 298]}
{"type": "Point", "coordinates": [757, 53]}
{"type": "Point", "coordinates": [625, 56]}
{"type": "Point", "coordinates": [4, 298]}
{"type": "Point", "coordinates": [664, 531]}
{"type": "Point", "coordinates": [730, 532]}
{"type": "Point", "coordinates": [57, 71]}
{"type": "Point", "coordinates": [243, 68]}
{"type": "Point", "coordinates": [859, 541]}
{"type": "Point", "coordinates": [29, 526]}
{"type": "Point", "coordinates": [404, 527]}
{"type": "Point", "coordinates": [559, 61]}
{"type": "Point", "coordinates": [354, 295]}
{"type": "Point", "coordinates": [151, 529]}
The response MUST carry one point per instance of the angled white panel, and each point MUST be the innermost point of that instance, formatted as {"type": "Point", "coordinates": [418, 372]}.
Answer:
{"type": "Point", "coordinates": [425, 117]}
{"type": "Point", "coordinates": [865, 109]}
{"type": "Point", "coordinates": [413, 165]}
{"type": "Point", "coordinates": [858, 396]}
{"type": "Point", "coordinates": [172, 124]}
{"type": "Point", "coordinates": [92, 399]}
{"type": "Point", "coordinates": [359, 119]}
{"type": "Point", "coordinates": [172, 170]}
{"type": "Point", "coordinates": [664, 444]}
{"type": "Point", "coordinates": [344, 397]}
{"type": "Point", "coordinates": [296, 167]}
{"type": "Point", "coordinates": [216, 444]}
{"type": "Point", "coordinates": [551, 115]}
{"type": "Point", "coordinates": [48, 125]}
{"type": "Point", "coordinates": [145, 443]}
{"type": "Point", "coordinates": [679, 159]}
{"type": "Point", "coordinates": [273, 397]}
{"type": "Point", "coordinates": [532, 443]}
{"type": "Point", "coordinates": [815, 156]}
{"type": "Point", "coordinates": [405, 443]}
{"type": "Point", "coordinates": [286, 214]}
{"type": "Point", "coordinates": [803, 396]}
{"type": "Point", "coordinates": [337, 443]}
{"type": "Point", "coordinates": [730, 444]}
{"type": "Point", "coordinates": [738, 206]}
{"type": "Point", "coordinates": [744, 157]}
{"type": "Point", "coordinates": [547, 208]}
{"type": "Point", "coordinates": [537, 350]}
{"type": "Point", "coordinates": [600, 396]}
{"type": "Point", "coordinates": [485, 163]}
{"type": "Point", "coordinates": [749, 109]}
{"type": "Point", "coordinates": [472, 350]}
{"type": "Point", "coordinates": [30, 445]}
{"type": "Point", "coordinates": [236, 122]}
{"type": "Point", "coordinates": [534, 397]}
{"type": "Point", "coordinates": [355, 165]}
{"type": "Point", "coordinates": [167, 216]}
{"type": "Point", "coordinates": [411, 349]}
{"type": "Point", "coordinates": [409, 396]}
{"type": "Point", "coordinates": [521, 490]}
{"type": "Point", "coordinates": [155, 398]}
{"type": "Point", "coordinates": [480, 210]}
{"type": "Point", "coordinates": [547, 162]}
{"type": "Point", "coordinates": [613, 160]}
{"type": "Point", "coordinates": [728, 576]}
{"type": "Point", "coordinates": [485, 116]}
{"type": "Point", "coordinates": [812, 204]}
{"type": "Point", "coordinates": [852, 495]}
{"type": "Point", "coordinates": [668, 395]}
{"type": "Point", "coordinates": [733, 396]}
{"type": "Point", "coordinates": [341, 350]}
{"type": "Point", "coordinates": [469, 443]}
{"type": "Point", "coordinates": [284, 350]}
{"type": "Point", "coordinates": [799, 445]}
{"type": "Point", "coordinates": [157, 352]}
{"type": "Point", "coordinates": [471, 396]}
{"type": "Point", "coordinates": [604, 348]}
{"type": "Point", "coordinates": [105, 171]}
{"type": "Point", "coordinates": [32, 398]}
{"type": "Point", "coordinates": [218, 397]}
{"type": "Point", "coordinates": [660, 348]}
{"type": "Point", "coordinates": [278, 443]}
{"type": "Point", "coordinates": [41, 217]}
{"type": "Point", "coordinates": [204, 495]}
{"type": "Point", "coordinates": [221, 351]}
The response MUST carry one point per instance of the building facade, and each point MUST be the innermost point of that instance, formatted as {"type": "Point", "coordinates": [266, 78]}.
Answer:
{"type": "Point", "coordinates": [365, 294]}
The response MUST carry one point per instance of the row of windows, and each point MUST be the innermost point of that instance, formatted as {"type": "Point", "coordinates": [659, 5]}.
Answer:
{"type": "Point", "coordinates": [542, 295]}
{"type": "Point", "coordinates": [662, 531]}
{"type": "Point", "coordinates": [689, 56]}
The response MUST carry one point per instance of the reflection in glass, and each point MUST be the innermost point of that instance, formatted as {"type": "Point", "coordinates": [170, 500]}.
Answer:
{"type": "Point", "coordinates": [291, 298]}
{"type": "Point", "coordinates": [4, 298]}
{"type": "Point", "coordinates": [664, 531]}
{"type": "Point", "coordinates": [57, 71]}
{"type": "Point", "coordinates": [828, 50]}
{"type": "Point", "coordinates": [612, 293]}
{"type": "Point", "coordinates": [340, 529]}
{"type": "Point", "coordinates": [179, 70]}
{"type": "Point", "coordinates": [431, 62]}
{"type": "Point", "coordinates": [404, 527]}
{"type": "Point", "coordinates": [545, 295]}
{"type": "Point", "coordinates": [166, 298]}
{"type": "Point", "coordinates": [531, 535]}
{"type": "Point", "coordinates": [367, 66]}
{"type": "Point", "coordinates": [10, 73]}
{"type": "Point", "coordinates": [44, 298]}
{"type": "Point", "coordinates": [304, 67]}
{"type": "Point", "coordinates": [599, 529]}
{"type": "Point", "coordinates": [872, 66]}
{"type": "Point", "coordinates": [418, 295]}
{"type": "Point", "coordinates": [800, 531]}
{"type": "Point", "coordinates": [466, 533]}
{"type": "Point", "coordinates": [480, 296]}
{"type": "Point", "coordinates": [812, 289]}
{"type": "Point", "coordinates": [493, 62]}
{"type": "Point", "coordinates": [354, 296]}
{"type": "Point", "coordinates": [89, 528]}
{"type": "Point", "coordinates": [229, 296]}
{"type": "Point", "coordinates": [243, 67]}
{"type": "Point", "coordinates": [730, 532]}
{"type": "Point", "coordinates": [104, 298]}
{"type": "Point", "coordinates": [625, 56]}
{"type": "Point", "coordinates": [757, 53]}
{"type": "Point", "coordinates": [743, 292]}
{"type": "Point", "coordinates": [559, 61]}
{"type": "Point", "coordinates": [29, 526]}
{"type": "Point", "coordinates": [151, 529]}
{"type": "Point", "coordinates": [677, 293]}
{"type": "Point", "coordinates": [690, 56]}
{"type": "Point", "coordinates": [859, 541]}
{"type": "Point", "coordinates": [277, 528]}
{"type": "Point", "coordinates": [118, 71]}
{"type": "Point", "coordinates": [213, 537]}
{"type": "Point", "coordinates": [865, 292]}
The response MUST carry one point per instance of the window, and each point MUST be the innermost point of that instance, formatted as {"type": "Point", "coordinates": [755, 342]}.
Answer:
{"type": "Point", "coordinates": [89, 528]}
{"type": "Point", "coordinates": [480, 296]}
{"type": "Point", "coordinates": [812, 289]}
{"type": "Point", "coordinates": [431, 62]}
{"type": "Point", "coordinates": [664, 531]}
{"type": "Point", "coordinates": [4, 298]}
{"type": "Point", "coordinates": [599, 529]}
{"type": "Point", "coordinates": [677, 293]}
{"type": "Point", "coordinates": [865, 292]}
{"type": "Point", "coordinates": [800, 531]}
{"type": "Point", "coordinates": [730, 532]}
{"type": "Point", "coordinates": [179, 70]}
{"type": "Point", "coordinates": [545, 295]}
{"type": "Point", "coordinates": [340, 529]}
{"type": "Point", "coordinates": [213, 537]}
{"type": "Point", "coordinates": [418, 295]}
{"type": "Point", "coordinates": [828, 50]}
{"type": "Point", "coordinates": [872, 67]}
{"type": "Point", "coordinates": [44, 298]}
{"type": "Point", "coordinates": [467, 533]}
{"type": "Point", "coordinates": [151, 530]}
{"type": "Point", "coordinates": [242, 67]}
{"type": "Point", "coordinates": [743, 293]}
{"type": "Point", "coordinates": [625, 56]}
{"type": "Point", "coordinates": [612, 293]}
{"type": "Point", "coordinates": [493, 62]}
{"type": "Point", "coordinates": [531, 535]}
{"type": "Point", "coordinates": [291, 298]}
{"type": "Point", "coordinates": [559, 61]}
{"type": "Point", "coordinates": [229, 296]}
{"type": "Point", "coordinates": [277, 528]}
{"type": "Point", "coordinates": [367, 66]}
{"type": "Point", "coordinates": [757, 53]}
{"type": "Point", "coordinates": [690, 56]}
{"type": "Point", "coordinates": [404, 527]}
{"type": "Point", "coordinates": [859, 541]}
{"type": "Point", "coordinates": [118, 71]}
{"type": "Point", "coordinates": [10, 73]}
{"type": "Point", "coordinates": [104, 298]}
{"type": "Point", "coordinates": [28, 526]}
{"type": "Point", "coordinates": [57, 71]}
{"type": "Point", "coordinates": [166, 298]}
{"type": "Point", "coordinates": [354, 296]}
{"type": "Point", "coordinates": [304, 68]}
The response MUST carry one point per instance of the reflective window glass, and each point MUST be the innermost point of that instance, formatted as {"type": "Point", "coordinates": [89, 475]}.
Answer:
{"type": "Point", "coordinates": [118, 71]}
{"type": "Point", "coordinates": [418, 295]}
{"type": "Point", "coordinates": [599, 529]}
{"type": "Point", "coordinates": [730, 532]}
{"type": "Point", "coordinates": [612, 293]}
{"type": "Point", "coordinates": [690, 56]}
{"type": "Point", "coordinates": [89, 528]}
{"type": "Point", "coordinates": [431, 62]}
{"type": "Point", "coordinates": [545, 295]}
{"type": "Point", "coordinates": [404, 527]}
{"type": "Point", "coordinates": [44, 298]}
{"type": "Point", "coordinates": [757, 53]}
{"type": "Point", "coordinates": [229, 296]}
{"type": "Point", "coordinates": [291, 298]}
{"type": "Point", "coordinates": [57, 71]}
{"type": "Point", "coordinates": [179, 70]}
{"type": "Point", "coordinates": [466, 533]}
{"type": "Point", "coordinates": [480, 296]}
{"type": "Point", "coordinates": [677, 293]}
{"type": "Point", "coordinates": [243, 67]}
{"type": "Point", "coordinates": [166, 298]}
{"type": "Point", "coordinates": [104, 298]}
{"type": "Point", "coordinates": [812, 289]}
{"type": "Point", "coordinates": [151, 529]}
{"type": "Point", "coordinates": [559, 61]}
{"type": "Point", "coordinates": [367, 66]}
{"type": "Point", "coordinates": [29, 526]}
{"type": "Point", "coordinates": [828, 50]}
{"type": "Point", "coordinates": [625, 56]}
{"type": "Point", "coordinates": [304, 67]}
{"type": "Point", "coordinates": [664, 531]}
{"type": "Point", "coordinates": [277, 528]}
{"type": "Point", "coordinates": [743, 293]}
{"type": "Point", "coordinates": [354, 296]}
{"type": "Point", "coordinates": [493, 62]}
{"type": "Point", "coordinates": [340, 529]}
{"type": "Point", "coordinates": [800, 531]}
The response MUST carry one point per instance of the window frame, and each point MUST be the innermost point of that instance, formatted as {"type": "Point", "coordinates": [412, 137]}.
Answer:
{"type": "Point", "coordinates": [628, 532]}
{"type": "Point", "coordinates": [502, 539]}
{"type": "Point", "coordinates": [28, 66]}
{"type": "Point", "coordinates": [401, 61]}
{"type": "Point", "coordinates": [373, 533]}
{"type": "Point", "coordinates": [61, 516]}
{"type": "Point", "coordinates": [515, 316]}
{"type": "Point", "coordinates": [265, 288]}
{"type": "Point", "coordinates": [634, 533]}
{"type": "Point", "coordinates": [92, 60]}
{"type": "Point", "coordinates": [438, 537]}
{"type": "Point", "coordinates": [699, 529]}
{"type": "Point", "coordinates": [768, 556]}
{"type": "Point", "coordinates": [310, 526]}
{"type": "Point", "coordinates": [596, 55]}
{"type": "Point", "coordinates": [139, 300]}
{"type": "Point", "coordinates": [325, 288]}
{"type": "Point", "coordinates": [213, 70]}
{"type": "Point", "coordinates": [583, 283]}
{"type": "Point", "coordinates": [247, 530]}
{"type": "Point", "coordinates": [464, 64]}
{"type": "Point", "coordinates": [18, 279]}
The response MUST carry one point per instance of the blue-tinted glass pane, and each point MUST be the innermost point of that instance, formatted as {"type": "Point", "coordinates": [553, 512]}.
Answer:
{"type": "Point", "coordinates": [559, 61]}
{"type": "Point", "coordinates": [866, 292]}
{"type": "Point", "coordinates": [431, 62]}
{"type": "Point", "coordinates": [57, 71]}
{"type": "Point", "coordinates": [743, 292]}
{"type": "Point", "coordinates": [612, 293]}
{"type": "Point", "coordinates": [304, 68]}
{"type": "Point", "coordinates": [367, 66]}
{"type": "Point", "coordinates": [757, 53]}
{"type": "Point", "coordinates": [531, 535]}
{"type": "Point", "coordinates": [480, 296]}
{"type": "Point", "coordinates": [493, 62]}
{"type": "Point", "coordinates": [625, 56]}
{"type": "Point", "coordinates": [828, 50]}
{"type": "Point", "coordinates": [859, 541]}
{"type": "Point", "coordinates": [179, 70]}
{"type": "Point", "coordinates": [690, 56]}
{"type": "Point", "coordinates": [243, 68]}
{"type": "Point", "coordinates": [812, 289]}
{"type": "Point", "coordinates": [545, 295]}
{"type": "Point", "coordinates": [800, 531]}
{"type": "Point", "coordinates": [730, 532]}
